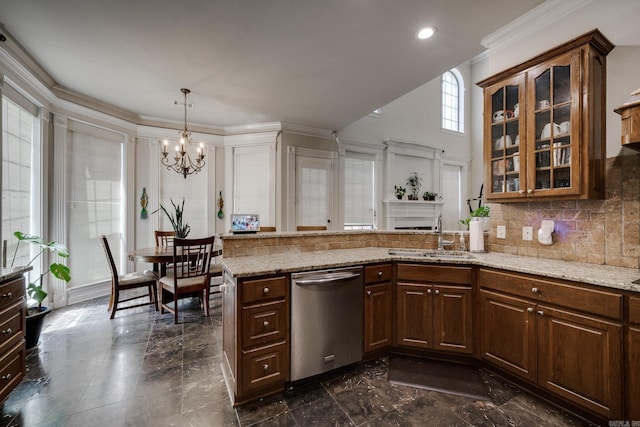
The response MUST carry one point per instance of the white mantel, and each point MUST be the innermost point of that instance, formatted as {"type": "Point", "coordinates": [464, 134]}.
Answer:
{"type": "Point", "coordinates": [411, 213]}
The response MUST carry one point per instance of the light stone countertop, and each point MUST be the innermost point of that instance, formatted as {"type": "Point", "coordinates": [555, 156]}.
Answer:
{"type": "Point", "coordinates": [600, 275]}
{"type": "Point", "coordinates": [7, 274]}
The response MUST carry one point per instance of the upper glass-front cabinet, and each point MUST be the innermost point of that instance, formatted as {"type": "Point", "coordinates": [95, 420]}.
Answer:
{"type": "Point", "coordinates": [544, 124]}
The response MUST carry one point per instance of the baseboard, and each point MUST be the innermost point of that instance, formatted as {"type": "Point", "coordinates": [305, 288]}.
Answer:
{"type": "Point", "coordinates": [87, 292]}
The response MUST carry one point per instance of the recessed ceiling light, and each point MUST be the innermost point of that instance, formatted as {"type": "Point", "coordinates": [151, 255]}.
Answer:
{"type": "Point", "coordinates": [425, 33]}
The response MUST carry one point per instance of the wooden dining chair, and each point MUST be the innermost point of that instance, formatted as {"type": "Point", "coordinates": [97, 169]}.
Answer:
{"type": "Point", "coordinates": [215, 269]}
{"type": "Point", "coordinates": [190, 275]}
{"type": "Point", "coordinates": [165, 238]}
{"type": "Point", "coordinates": [128, 281]}
{"type": "Point", "coordinates": [311, 228]}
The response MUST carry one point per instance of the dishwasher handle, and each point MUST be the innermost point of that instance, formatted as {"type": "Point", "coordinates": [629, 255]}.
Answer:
{"type": "Point", "coordinates": [327, 278]}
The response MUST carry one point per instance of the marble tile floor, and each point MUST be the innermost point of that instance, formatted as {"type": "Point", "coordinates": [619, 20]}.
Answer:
{"type": "Point", "coordinates": [142, 370]}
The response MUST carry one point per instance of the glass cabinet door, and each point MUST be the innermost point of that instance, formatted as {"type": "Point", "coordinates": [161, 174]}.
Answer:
{"type": "Point", "coordinates": [553, 134]}
{"type": "Point", "coordinates": [504, 136]}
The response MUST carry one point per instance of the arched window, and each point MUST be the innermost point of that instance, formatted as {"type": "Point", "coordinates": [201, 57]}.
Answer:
{"type": "Point", "coordinates": [453, 101]}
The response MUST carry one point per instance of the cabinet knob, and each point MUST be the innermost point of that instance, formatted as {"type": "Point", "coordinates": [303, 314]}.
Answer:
{"type": "Point", "coordinates": [530, 310]}
{"type": "Point", "coordinates": [6, 377]}
{"type": "Point", "coordinates": [7, 295]}
{"type": "Point", "coordinates": [437, 292]}
{"type": "Point", "coordinates": [428, 291]}
{"type": "Point", "coordinates": [535, 290]}
{"type": "Point", "coordinates": [369, 293]}
{"type": "Point", "coordinates": [265, 367]}
{"type": "Point", "coordinates": [529, 191]}
{"type": "Point", "coordinates": [521, 191]}
{"type": "Point", "coordinates": [379, 274]}
{"type": "Point", "coordinates": [7, 331]}
{"type": "Point", "coordinates": [265, 291]}
{"type": "Point", "coordinates": [541, 313]}
{"type": "Point", "coordinates": [266, 323]}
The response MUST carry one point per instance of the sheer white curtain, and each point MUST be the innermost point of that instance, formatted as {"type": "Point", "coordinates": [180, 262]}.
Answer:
{"type": "Point", "coordinates": [193, 190]}
{"type": "Point", "coordinates": [253, 182]}
{"type": "Point", "coordinates": [359, 192]}
{"type": "Point", "coordinates": [95, 200]}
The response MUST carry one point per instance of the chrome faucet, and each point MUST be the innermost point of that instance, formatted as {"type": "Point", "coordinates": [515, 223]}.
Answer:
{"type": "Point", "coordinates": [441, 242]}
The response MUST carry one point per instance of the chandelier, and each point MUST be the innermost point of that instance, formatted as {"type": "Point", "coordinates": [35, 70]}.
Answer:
{"type": "Point", "coordinates": [182, 162]}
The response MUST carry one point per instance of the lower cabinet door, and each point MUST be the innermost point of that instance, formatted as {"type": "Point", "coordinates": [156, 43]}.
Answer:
{"type": "Point", "coordinates": [508, 333]}
{"type": "Point", "coordinates": [452, 319]}
{"type": "Point", "coordinates": [378, 317]}
{"type": "Point", "coordinates": [633, 382]}
{"type": "Point", "coordinates": [414, 315]}
{"type": "Point", "coordinates": [580, 359]}
{"type": "Point", "coordinates": [265, 367]}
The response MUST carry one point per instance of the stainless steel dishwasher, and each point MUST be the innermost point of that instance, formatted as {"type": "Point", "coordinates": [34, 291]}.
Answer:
{"type": "Point", "coordinates": [326, 320]}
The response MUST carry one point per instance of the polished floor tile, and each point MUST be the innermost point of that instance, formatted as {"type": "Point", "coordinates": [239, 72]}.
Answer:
{"type": "Point", "coordinates": [142, 370]}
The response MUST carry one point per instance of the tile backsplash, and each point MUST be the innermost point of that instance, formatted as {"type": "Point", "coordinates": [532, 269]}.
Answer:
{"type": "Point", "coordinates": [594, 231]}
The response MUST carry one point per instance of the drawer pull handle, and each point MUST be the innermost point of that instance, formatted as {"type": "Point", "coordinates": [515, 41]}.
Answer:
{"type": "Point", "coordinates": [529, 191]}
{"type": "Point", "coordinates": [265, 291]}
{"type": "Point", "coordinates": [369, 293]}
{"type": "Point", "coordinates": [266, 367]}
{"type": "Point", "coordinates": [428, 291]}
{"type": "Point", "coordinates": [7, 331]}
{"type": "Point", "coordinates": [541, 313]}
{"type": "Point", "coordinates": [437, 292]}
{"type": "Point", "coordinates": [6, 377]}
{"type": "Point", "coordinates": [530, 310]}
{"type": "Point", "coordinates": [266, 323]}
{"type": "Point", "coordinates": [7, 295]}
{"type": "Point", "coordinates": [379, 273]}
{"type": "Point", "coordinates": [534, 290]}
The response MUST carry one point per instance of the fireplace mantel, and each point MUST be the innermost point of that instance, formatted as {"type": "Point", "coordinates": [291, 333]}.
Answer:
{"type": "Point", "coordinates": [416, 214]}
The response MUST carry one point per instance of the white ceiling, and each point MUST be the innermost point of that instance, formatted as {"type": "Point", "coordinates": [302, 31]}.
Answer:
{"type": "Point", "coordinates": [319, 63]}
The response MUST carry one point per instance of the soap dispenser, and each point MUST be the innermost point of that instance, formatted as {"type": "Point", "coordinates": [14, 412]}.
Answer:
{"type": "Point", "coordinates": [462, 245]}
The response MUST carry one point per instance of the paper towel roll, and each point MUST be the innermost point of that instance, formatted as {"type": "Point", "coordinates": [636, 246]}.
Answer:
{"type": "Point", "coordinates": [476, 236]}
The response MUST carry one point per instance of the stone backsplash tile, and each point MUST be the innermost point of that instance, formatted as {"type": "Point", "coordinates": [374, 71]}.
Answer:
{"type": "Point", "coordinates": [594, 231]}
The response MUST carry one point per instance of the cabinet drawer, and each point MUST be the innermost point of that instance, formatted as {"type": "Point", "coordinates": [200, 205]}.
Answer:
{"type": "Point", "coordinates": [604, 303]}
{"type": "Point", "coordinates": [634, 310]}
{"type": "Point", "coordinates": [265, 366]}
{"type": "Point", "coordinates": [435, 274]}
{"type": "Point", "coordinates": [12, 323]}
{"type": "Point", "coordinates": [263, 289]}
{"type": "Point", "coordinates": [263, 323]}
{"type": "Point", "coordinates": [11, 292]}
{"type": "Point", "coordinates": [12, 368]}
{"type": "Point", "coordinates": [378, 273]}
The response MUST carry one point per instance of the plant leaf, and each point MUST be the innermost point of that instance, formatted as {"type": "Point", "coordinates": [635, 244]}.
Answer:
{"type": "Point", "coordinates": [61, 271]}
{"type": "Point", "coordinates": [36, 292]}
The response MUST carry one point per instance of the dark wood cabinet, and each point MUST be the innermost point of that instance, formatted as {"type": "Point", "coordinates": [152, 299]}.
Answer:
{"type": "Point", "coordinates": [12, 329]}
{"type": "Point", "coordinates": [573, 349]}
{"type": "Point", "coordinates": [434, 307]}
{"type": "Point", "coordinates": [378, 308]}
{"type": "Point", "coordinates": [544, 131]}
{"type": "Point", "coordinates": [256, 335]}
{"type": "Point", "coordinates": [633, 359]}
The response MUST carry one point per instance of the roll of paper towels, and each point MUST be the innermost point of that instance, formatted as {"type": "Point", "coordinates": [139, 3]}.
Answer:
{"type": "Point", "coordinates": [476, 236]}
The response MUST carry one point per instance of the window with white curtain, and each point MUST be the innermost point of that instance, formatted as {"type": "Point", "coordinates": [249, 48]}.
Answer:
{"type": "Point", "coordinates": [253, 182]}
{"type": "Point", "coordinates": [359, 192]}
{"type": "Point", "coordinates": [20, 178]}
{"type": "Point", "coordinates": [452, 101]}
{"type": "Point", "coordinates": [95, 200]}
{"type": "Point", "coordinates": [174, 187]}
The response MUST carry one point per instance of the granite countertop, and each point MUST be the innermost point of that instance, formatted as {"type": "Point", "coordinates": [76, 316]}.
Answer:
{"type": "Point", "coordinates": [7, 274]}
{"type": "Point", "coordinates": [599, 275]}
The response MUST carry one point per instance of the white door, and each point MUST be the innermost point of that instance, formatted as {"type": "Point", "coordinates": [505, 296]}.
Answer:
{"type": "Point", "coordinates": [314, 191]}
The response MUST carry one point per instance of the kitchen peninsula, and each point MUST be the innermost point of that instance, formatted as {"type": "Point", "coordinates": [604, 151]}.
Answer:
{"type": "Point", "coordinates": [543, 309]}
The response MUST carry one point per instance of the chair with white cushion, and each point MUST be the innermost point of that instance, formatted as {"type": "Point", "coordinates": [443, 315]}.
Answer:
{"type": "Point", "coordinates": [128, 281]}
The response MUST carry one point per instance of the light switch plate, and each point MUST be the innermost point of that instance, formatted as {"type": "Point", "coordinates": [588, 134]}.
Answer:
{"type": "Point", "coordinates": [502, 232]}
{"type": "Point", "coordinates": [527, 233]}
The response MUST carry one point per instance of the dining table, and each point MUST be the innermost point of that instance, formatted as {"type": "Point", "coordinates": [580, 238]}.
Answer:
{"type": "Point", "coordinates": [159, 256]}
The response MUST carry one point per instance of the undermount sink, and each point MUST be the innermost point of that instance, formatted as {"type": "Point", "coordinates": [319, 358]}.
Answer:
{"type": "Point", "coordinates": [430, 253]}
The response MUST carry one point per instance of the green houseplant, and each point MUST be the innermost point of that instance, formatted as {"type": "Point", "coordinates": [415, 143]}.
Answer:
{"type": "Point", "coordinates": [399, 191]}
{"type": "Point", "coordinates": [415, 182]}
{"type": "Point", "coordinates": [36, 312]}
{"type": "Point", "coordinates": [427, 195]}
{"type": "Point", "coordinates": [481, 212]}
{"type": "Point", "coordinates": [181, 228]}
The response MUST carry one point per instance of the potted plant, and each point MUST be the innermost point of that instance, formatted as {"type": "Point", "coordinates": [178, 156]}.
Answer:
{"type": "Point", "coordinates": [182, 229]}
{"type": "Point", "coordinates": [415, 182]}
{"type": "Point", "coordinates": [36, 312]}
{"type": "Point", "coordinates": [427, 195]}
{"type": "Point", "coordinates": [399, 191]}
{"type": "Point", "coordinates": [481, 212]}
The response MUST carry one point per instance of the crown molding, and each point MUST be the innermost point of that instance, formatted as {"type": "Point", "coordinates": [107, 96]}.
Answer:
{"type": "Point", "coordinates": [533, 21]}
{"type": "Point", "coordinates": [307, 130]}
